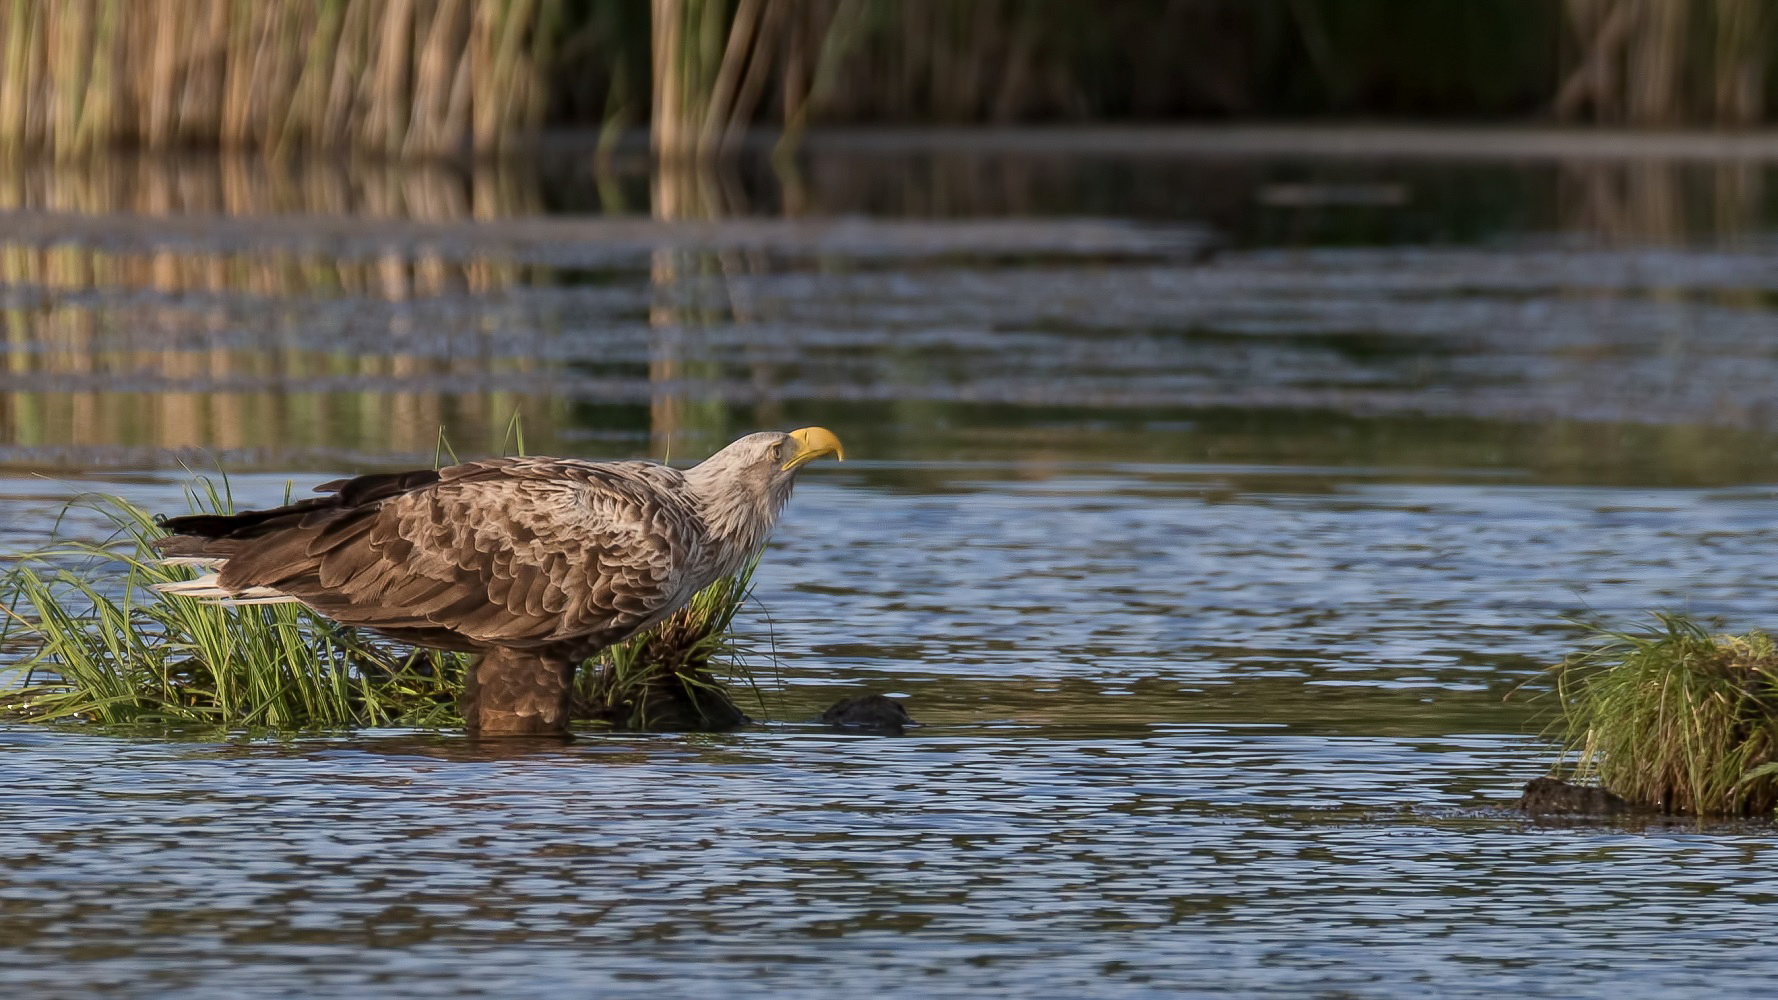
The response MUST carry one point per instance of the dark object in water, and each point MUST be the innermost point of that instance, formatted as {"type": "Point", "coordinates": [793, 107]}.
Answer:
{"type": "Point", "coordinates": [871, 712]}
{"type": "Point", "coordinates": [1554, 797]}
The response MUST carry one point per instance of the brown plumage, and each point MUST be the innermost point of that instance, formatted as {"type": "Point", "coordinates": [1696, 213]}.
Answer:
{"type": "Point", "coordinates": [534, 563]}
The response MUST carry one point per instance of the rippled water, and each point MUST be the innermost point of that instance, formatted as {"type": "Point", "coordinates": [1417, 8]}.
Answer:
{"type": "Point", "coordinates": [1211, 559]}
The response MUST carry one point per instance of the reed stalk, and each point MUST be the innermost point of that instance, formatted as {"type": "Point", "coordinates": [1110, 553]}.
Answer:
{"type": "Point", "coordinates": [1740, 60]}
{"type": "Point", "coordinates": [1664, 63]}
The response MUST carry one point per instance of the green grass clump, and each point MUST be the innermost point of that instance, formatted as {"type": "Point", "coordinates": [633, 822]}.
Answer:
{"type": "Point", "coordinates": [105, 648]}
{"type": "Point", "coordinates": [665, 678]}
{"type": "Point", "coordinates": [88, 640]}
{"type": "Point", "coordinates": [1675, 717]}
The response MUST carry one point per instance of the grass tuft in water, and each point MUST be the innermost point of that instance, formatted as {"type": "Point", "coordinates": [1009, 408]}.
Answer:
{"type": "Point", "coordinates": [1672, 716]}
{"type": "Point", "coordinates": [666, 678]}
{"type": "Point", "coordinates": [85, 638]}
{"type": "Point", "coordinates": [105, 648]}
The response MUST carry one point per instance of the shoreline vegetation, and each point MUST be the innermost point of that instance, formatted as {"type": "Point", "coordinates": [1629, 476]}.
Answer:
{"type": "Point", "coordinates": [432, 78]}
{"type": "Point", "coordinates": [110, 651]}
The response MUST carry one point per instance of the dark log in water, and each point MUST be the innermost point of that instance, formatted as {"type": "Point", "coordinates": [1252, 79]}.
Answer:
{"type": "Point", "coordinates": [871, 713]}
{"type": "Point", "coordinates": [1554, 797]}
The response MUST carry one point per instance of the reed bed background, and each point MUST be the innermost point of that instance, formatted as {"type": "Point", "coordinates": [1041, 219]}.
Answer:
{"type": "Point", "coordinates": [397, 77]}
{"type": "Point", "coordinates": [449, 77]}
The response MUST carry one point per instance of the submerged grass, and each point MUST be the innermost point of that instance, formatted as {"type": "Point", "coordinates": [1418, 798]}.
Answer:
{"type": "Point", "coordinates": [1674, 717]}
{"type": "Point", "coordinates": [95, 643]}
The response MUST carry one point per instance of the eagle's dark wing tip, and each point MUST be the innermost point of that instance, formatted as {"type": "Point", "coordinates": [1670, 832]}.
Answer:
{"type": "Point", "coordinates": [361, 490]}
{"type": "Point", "coordinates": [208, 525]}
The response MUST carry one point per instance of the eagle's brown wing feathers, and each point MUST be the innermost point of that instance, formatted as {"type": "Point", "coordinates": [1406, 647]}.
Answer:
{"type": "Point", "coordinates": [513, 553]}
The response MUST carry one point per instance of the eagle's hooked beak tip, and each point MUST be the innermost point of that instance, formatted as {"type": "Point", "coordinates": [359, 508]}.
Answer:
{"type": "Point", "coordinates": [812, 443]}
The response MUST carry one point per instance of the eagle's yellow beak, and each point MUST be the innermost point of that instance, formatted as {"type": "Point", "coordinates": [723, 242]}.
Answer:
{"type": "Point", "coordinates": [812, 443]}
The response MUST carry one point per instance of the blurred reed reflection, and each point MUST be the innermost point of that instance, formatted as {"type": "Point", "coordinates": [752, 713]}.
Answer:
{"type": "Point", "coordinates": [226, 184]}
{"type": "Point", "coordinates": [364, 307]}
{"type": "Point", "coordinates": [693, 291]}
{"type": "Point", "coordinates": [110, 399]}
{"type": "Point", "coordinates": [1612, 197]}
{"type": "Point", "coordinates": [242, 186]}
{"type": "Point", "coordinates": [200, 360]}
{"type": "Point", "coordinates": [1659, 201]}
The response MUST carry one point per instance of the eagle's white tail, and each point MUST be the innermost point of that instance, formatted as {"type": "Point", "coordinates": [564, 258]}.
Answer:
{"type": "Point", "coordinates": [208, 588]}
{"type": "Point", "coordinates": [198, 562]}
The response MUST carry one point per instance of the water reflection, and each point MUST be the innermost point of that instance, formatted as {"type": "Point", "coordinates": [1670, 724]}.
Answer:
{"type": "Point", "coordinates": [185, 304]}
{"type": "Point", "coordinates": [235, 186]}
{"type": "Point", "coordinates": [194, 184]}
{"type": "Point", "coordinates": [1645, 202]}
{"type": "Point", "coordinates": [693, 291]}
{"type": "Point", "coordinates": [151, 349]}
{"type": "Point", "coordinates": [280, 344]}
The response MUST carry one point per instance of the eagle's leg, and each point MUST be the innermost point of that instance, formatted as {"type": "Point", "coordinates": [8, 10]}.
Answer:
{"type": "Point", "coordinates": [513, 693]}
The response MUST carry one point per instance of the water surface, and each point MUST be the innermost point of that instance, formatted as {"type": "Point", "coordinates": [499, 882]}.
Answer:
{"type": "Point", "coordinates": [1218, 536]}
